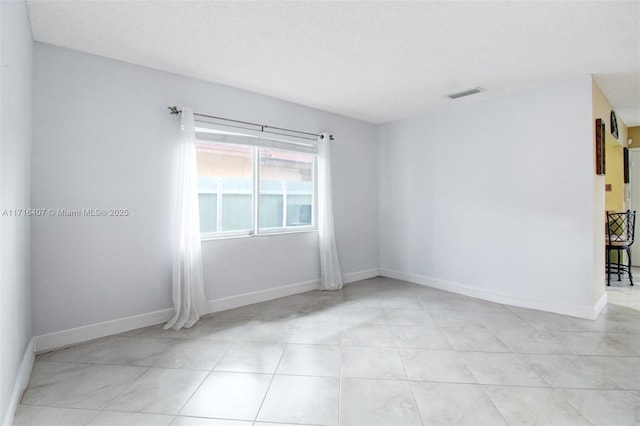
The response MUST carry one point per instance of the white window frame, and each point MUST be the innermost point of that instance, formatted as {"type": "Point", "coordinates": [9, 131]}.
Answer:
{"type": "Point", "coordinates": [255, 200]}
{"type": "Point", "coordinates": [284, 228]}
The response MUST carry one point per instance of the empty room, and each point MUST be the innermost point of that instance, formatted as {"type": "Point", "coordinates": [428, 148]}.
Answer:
{"type": "Point", "coordinates": [317, 213]}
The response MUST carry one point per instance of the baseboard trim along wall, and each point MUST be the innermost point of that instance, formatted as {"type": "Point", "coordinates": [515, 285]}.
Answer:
{"type": "Point", "coordinates": [60, 339]}
{"type": "Point", "coordinates": [231, 302]}
{"type": "Point", "coordinates": [359, 276]}
{"type": "Point", "coordinates": [599, 306]}
{"type": "Point", "coordinates": [21, 383]}
{"type": "Point", "coordinates": [579, 311]}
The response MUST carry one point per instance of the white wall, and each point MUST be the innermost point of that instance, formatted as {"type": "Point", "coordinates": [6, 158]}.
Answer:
{"type": "Point", "coordinates": [15, 147]}
{"type": "Point", "coordinates": [495, 199]}
{"type": "Point", "coordinates": [103, 138]}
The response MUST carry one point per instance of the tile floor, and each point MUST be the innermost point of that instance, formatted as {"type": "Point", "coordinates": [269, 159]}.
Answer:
{"type": "Point", "coordinates": [378, 352]}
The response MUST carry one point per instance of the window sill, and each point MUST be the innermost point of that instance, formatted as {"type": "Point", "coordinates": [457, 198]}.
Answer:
{"type": "Point", "coordinates": [264, 234]}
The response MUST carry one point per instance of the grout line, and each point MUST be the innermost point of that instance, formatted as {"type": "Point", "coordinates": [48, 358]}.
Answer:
{"type": "Point", "coordinates": [484, 391]}
{"type": "Point", "coordinates": [273, 376]}
{"type": "Point", "coordinates": [203, 380]}
{"type": "Point", "coordinates": [413, 395]}
{"type": "Point", "coordinates": [124, 390]}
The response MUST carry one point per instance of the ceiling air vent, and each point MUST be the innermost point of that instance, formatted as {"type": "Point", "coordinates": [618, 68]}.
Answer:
{"type": "Point", "coordinates": [466, 93]}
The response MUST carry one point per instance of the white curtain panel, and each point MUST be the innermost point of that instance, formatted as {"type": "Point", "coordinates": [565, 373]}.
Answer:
{"type": "Point", "coordinates": [189, 300]}
{"type": "Point", "coordinates": [330, 272]}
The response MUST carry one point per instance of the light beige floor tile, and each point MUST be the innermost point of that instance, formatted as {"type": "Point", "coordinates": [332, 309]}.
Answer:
{"type": "Point", "coordinates": [534, 406]}
{"type": "Point", "coordinates": [279, 313]}
{"type": "Point", "coordinates": [623, 371]}
{"type": "Point", "coordinates": [199, 421]}
{"type": "Point", "coordinates": [501, 369]}
{"type": "Point", "coordinates": [367, 335]}
{"type": "Point", "coordinates": [491, 319]}
{"type": "Point", "coordinates": [193, 354]}
{"type": "Point", "coordinates": [319, 333]}
{"type": "Point", "coordinates": [310, 360]}
{"type": "Point", "coordinates": [402, 302]}
{"type": "Point", "coordinates": [115, 418]}
{"type": "Point", "coordinates": [436, 366]}
{"type": "Point", "coordinates": [31, 415]}
{"type": "Point", "coordinates": [114, 350]}
{"type": "Point", "coordinates": [277, 424]}
{"type": "Point", "coordinates": [364, 315]}
{"type": "Point", "coordinates": [233, 396]}
{"type": "Point", "coordinates": [363, 297]}
{"type": "Point", "coordinates": [475, 337]}
{"type": "Point", "coordinates": [420, 337]}
{"type": "Point", "coordinates": [547, 321]}
{"type": "Point", "coordinates": [622, 306]}
{"type": "Point", "coordinates": [605, 407]}
{"type": "Point", "coordinates": [268, 332]}
{"type": "Point", "coordinates": [78, 385]}
{"type": "Point", "coordinates": [274, 331]}
{"type": "Point", "coordinates": [455, 318]}
{"type": "Point", "coordinates": [252, 357]}
{"type": "Point", "coordinates": [328, 314]}
{"type": "Point", "coordinates": [569, 371]}
{"type": "Point", "coordinates": [302, 399]}
{"type": "Point", "coordinates": [502, 320]}
{"type": "Point", "coordinates": [444, 301]}
{"type": "Point", "coordinates": [372, 363]}
{"type": "Point", "coordinates": [377, 402]}
{"type": "Point", "coordinates": [455, 404]}
{"type": "Point", "coordinates": [613, 323]}
{"type": "Point", "coordinates": [159, 390]}
{"type": "Point", "coordinates": [230, 330]}
{"type": "Point", "coordinates": [414, 317]}
{"type": "Point", "coordinates": [533, 342]}
{"type": "Point", "coordinates": [601, 343]}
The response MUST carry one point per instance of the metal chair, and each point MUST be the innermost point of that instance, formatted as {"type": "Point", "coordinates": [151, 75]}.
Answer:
{"type": "Point", "coordinates": [620, 235]}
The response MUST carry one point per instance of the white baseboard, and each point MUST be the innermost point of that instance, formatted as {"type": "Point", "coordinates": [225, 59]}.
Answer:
{"type": "Point", "coordinates": [21, 382]}
{"type": "Point", "coordinates": [86, 333]}
{"type": "Point", "coordinates": [599, 306]}
{"type": "Point", "coordinates": [231, 302]}
{"type": "Point", "coordinates": [579, 311]}
{"type": "Point", "coordinates": [361, 275]}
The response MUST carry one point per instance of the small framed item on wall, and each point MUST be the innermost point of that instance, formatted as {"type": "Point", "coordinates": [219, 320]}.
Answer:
{"type": "Point", "coordinates": [599, 146]}
{"type": "Point", "coordinates": [625, 159]}
{"type": "Point", "coordinates": [614, 124]}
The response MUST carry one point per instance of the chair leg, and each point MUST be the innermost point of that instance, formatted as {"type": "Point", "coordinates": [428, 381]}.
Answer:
{"type": "Point", "coordinates": [608, 267]}
{"type": "Point", "coordinates": [629, 266]}
{"type": "Point", "coordinates": [618, 253]}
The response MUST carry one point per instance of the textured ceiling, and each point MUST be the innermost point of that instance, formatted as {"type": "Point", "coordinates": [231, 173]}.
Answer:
{"type": "Point", "coordinates": [377, 61]}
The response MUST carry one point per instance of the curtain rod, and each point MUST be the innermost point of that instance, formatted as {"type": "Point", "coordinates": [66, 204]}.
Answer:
{"type": "Point", "coordinates": [174, 110]}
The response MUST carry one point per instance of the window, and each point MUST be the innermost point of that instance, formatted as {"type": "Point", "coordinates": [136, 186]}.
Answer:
{"type": "Point", "coordinates": [225, 188]}
{"type": "Point", "coordinates": [245, 190]}
{"type": "Point", "coordinates": [286, 189]}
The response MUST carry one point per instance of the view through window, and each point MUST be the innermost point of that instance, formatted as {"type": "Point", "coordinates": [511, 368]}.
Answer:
{"type": "Point", "coordinates": [227, 176]}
